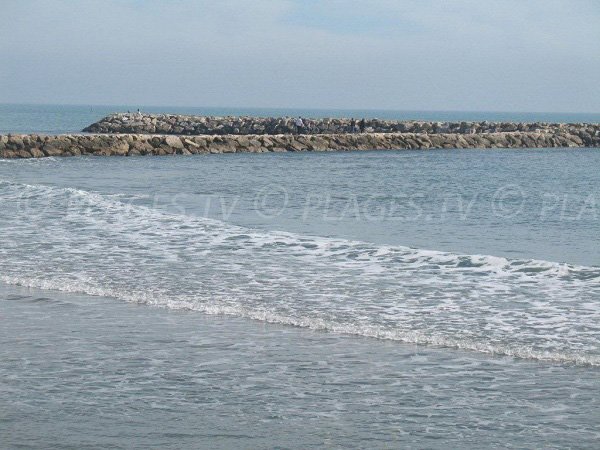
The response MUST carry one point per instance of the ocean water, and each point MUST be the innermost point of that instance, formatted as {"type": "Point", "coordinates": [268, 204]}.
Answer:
{"type": "Point", "coordinates": [56, 119]}
{"type": "Point", "coordinates": [394, 299]}
{"type": "Point", "coordinates": [366, 299]}
{"type": "Point", "coordinates": [95, 372]}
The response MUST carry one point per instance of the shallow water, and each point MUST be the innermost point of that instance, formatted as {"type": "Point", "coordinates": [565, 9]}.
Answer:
{"type": "Point", "coordinates": [79, 372]}
{"type": "Point", "coordinates": [365, 298]}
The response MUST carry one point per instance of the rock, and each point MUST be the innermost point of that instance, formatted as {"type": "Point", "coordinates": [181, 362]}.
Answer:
{"type": "Point", "coordinates": [296, 146]}
{"type": "Point", "coordinates": [120, 148]}
{"type": "Point", "coordinates": [140, 148]}
{"type": "Point", "coordinates": [191, 143]}
{"type": "Point", "coordinates": [36, 152]}
{"type": "Point", "coordinates": [173, 142]}
{"type": "Point", "coordinates": [222, 145]}
{"type": "Point", "coordinates": [164, 150]}
{"type": "Point", "coordinates": [196, 125]}
{"type": "Point", "coordinates": [254, 145]}
{"type": "Point", "coordinates": [9, 154]}
{"type": "Point", "coordinates": [22, 153]}
{"type": "Point", "coordinates": [56, 146]}
{"type": "Point", "coordinates": [533, 135]}
{"type": "Point", "coordinates": [15, 142]}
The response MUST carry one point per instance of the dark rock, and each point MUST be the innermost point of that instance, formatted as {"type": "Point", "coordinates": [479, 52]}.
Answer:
{"type": "Point", "coordinates": [197, 125]}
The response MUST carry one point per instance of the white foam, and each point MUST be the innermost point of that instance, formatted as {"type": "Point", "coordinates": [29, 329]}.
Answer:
{"type": "Point", "coordinates": [78, 241]}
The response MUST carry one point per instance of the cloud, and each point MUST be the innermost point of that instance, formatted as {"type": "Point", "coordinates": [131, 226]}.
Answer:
{"type": "Point", "coordinates": [427, 54]}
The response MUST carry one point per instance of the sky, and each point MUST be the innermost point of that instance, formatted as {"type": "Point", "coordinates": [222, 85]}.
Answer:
{"type": "Point", "coordinates": [465, 55]}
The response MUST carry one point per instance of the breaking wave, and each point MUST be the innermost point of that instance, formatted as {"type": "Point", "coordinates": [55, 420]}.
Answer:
{"type": "Point", "coordinates": [85, 242]}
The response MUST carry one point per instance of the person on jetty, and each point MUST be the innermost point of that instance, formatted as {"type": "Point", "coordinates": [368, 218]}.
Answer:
{"type": "Point", "coordinates": [352, 125]}
{"type": "Point", "coordinates": [361, 125]}
{"type": "Point", "coordinates": [299, 125]}
{"type": "Point", "coordinates": [307, 126]}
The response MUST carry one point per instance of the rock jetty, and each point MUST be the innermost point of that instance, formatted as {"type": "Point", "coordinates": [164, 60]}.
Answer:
{"type": "Point", "coordinates": [200, 125]}
{"type": "Point", "coordinates": [35, 146]}
{"type": "Point", "coordinates": [165, 134]}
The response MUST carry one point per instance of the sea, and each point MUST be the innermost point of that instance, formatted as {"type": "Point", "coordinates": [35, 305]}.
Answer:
{"type": "Point", "coordinates": [360, 299]}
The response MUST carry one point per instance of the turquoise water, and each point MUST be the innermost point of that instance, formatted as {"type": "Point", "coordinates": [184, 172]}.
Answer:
{"type": "Point", "coordinates": [54, 119]}
{"type": "Point", "coordinates": [427, 299]}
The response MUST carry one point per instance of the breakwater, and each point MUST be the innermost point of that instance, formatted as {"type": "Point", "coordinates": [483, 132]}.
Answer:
{"type": "Point", "coordinates": [35, 146]}
{"type": "Point", "coordinates": [200, 125]}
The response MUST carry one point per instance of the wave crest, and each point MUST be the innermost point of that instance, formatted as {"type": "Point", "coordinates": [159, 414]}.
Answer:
{"type": "Point", "coordinates": [80, 241]}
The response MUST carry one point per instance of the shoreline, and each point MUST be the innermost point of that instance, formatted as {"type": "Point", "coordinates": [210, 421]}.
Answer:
{"type": "Point", "coordinates": [116, 144]}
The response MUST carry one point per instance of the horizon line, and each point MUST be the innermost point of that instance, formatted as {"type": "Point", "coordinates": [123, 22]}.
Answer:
{"type": "Point", "coordinates": [301, 107]}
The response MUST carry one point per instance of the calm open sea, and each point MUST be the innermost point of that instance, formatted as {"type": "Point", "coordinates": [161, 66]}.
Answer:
{"type": "Point", "coordinates": [55, 119]}
{"type": "Point", "coordinates": [432, 299]}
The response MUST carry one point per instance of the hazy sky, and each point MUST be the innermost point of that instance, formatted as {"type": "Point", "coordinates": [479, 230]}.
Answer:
{"type": "Point", "coordinates": [496, 55]}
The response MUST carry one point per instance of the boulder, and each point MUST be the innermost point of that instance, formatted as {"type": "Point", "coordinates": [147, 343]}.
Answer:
{"type": "Point", "coordinates": [190, 143]}
{"type": "Point", "coordinates": [120, 148]}
{"type": "Point", "coordinates": [174, 142]}
{"type": "Point", "coordinates": [140, 148]}
{"type": "Point", "coordinates": [56, 146]}
{"type": "Point", "coordinates": [36, 152]}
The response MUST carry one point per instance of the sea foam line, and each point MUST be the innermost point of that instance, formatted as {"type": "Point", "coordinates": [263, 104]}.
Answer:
{"type": "Point", "coordinates": [497, 265]}
{"type": "Point", "coordinates": [315, 324]}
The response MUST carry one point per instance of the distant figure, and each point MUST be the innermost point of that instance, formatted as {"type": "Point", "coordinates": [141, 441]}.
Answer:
{"type": "Point", "coordinates": [139, 112]}
{"type": "Point", "coordinates": [307, 126]}
{"type": "Point", "coordinates": [361, 125]}
{"type": "Point", "coordinates": [299, 125]}
{"type": "Point", "coordinates": [352, 125]}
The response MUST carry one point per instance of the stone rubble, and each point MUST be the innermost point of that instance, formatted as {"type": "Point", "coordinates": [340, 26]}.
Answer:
{"type": "Point", "coordinates": [199, 125]}
{"type": "Point", "coordinates": [36, 146]}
